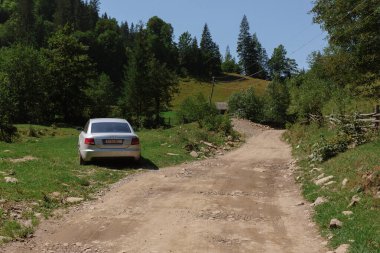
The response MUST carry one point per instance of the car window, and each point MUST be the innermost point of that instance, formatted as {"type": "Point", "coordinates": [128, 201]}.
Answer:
{"type": "Point", "coordinates": [86, 127]}
{"type": "Point", "coordinates": [110, 127]}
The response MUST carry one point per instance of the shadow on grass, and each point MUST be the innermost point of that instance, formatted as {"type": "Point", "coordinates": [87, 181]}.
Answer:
{"type": "Point", "coordinates": [125, 164]}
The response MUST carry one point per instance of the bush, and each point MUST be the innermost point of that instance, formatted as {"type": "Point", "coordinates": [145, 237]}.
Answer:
{"type": "Point", "coordinates": [350, 133]}
{"type": "Point", "coordinates": [197, 109]}
{"type": "Point", "coordinates": [246, 104]}
{"type": "Point", "coordinates": [7, 132]}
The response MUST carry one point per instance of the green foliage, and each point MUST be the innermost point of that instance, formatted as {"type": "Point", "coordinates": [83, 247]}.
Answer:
{"type": "Point", "coordinates": [70, 71]}
{"type": "Point", "coordinates": [149, 84]}
{"type": "Point", "coordinates": [229, 64]}
{"type": "Point", "coordinates": [210, 54]}
{"type": "Point", "coordinates": [281, 66]}
{"type": "Point", "coordinates": [252, 56]}
{"type": "Point", "coordinates": [100, 97]}
{"type": "Point", "coordinates": [276, 103]}
{"type": "Point", "coordinates": [350, 132]}
{"type": "Point", "coordinates": [308, 95]}
{"type": "Point", "coordinates": [23, 84]}
{"type": "Point", "coordinates": [361, 229]}
{"type": "Point", "coordinates": [197, 109]}
{"type": "Point", "coordinates": [353, 29]}
{"type": "Point", "coordinates": [7, 132]}
{"type": "Point", "coordinates": [247, 104]}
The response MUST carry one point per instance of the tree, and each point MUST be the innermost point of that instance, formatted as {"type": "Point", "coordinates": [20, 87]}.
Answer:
{"type": "Point", "coordinates": [210, 54]}
{"type": "Point", "coordinates": [25, 21]}
{"type": "Point", "coordinates": [99, 96]}
{"type": "Point", "coordinates": [70, 72]}
{"type": "Point", "coordinates": [276, 104]}
{"type": "Point", "coordinates": [354, 30]}
{"type": "Point", "coordinates": [352, 58]}
{"type": "Point", "coordinates": [229, 64]}
{"type": "Point", "coordinates": [109, 52]}
{"type": "Point", "coordinates": [262, 58]}
{"type": "Point", "coordinates": [250, 58]}
{"type": "Point", "coordinates": [160, 36]}
{"type": "Point", "coordinates": [23, 92]}
{"type": "Point", "coordinates": [281, 66]}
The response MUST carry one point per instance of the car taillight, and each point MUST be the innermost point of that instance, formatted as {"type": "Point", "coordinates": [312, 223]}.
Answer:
{"type": "Point", "coordinates": [135, 141]}
{"type": "Point", "coordinates": [89, 141]}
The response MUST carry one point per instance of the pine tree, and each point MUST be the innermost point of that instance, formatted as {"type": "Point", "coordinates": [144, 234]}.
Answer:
{"type": "Point", "coordinates": [229, 64]}
{"type": "Point", "coordinates": [210, 54]}
{"type": "Point", "coordinates": [248, 50]}
{"type": "Point", "coordinates": [25, 20]}
{"type": "Point", "coordinates": [281, 66]}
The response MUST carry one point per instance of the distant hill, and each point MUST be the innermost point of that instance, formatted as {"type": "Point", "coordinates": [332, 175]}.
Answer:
{"type": "Point", "coordinates": [225, 86]}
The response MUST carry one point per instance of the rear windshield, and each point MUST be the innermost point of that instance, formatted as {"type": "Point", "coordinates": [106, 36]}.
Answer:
{"type": "Point", "coordinates": [110, 127]}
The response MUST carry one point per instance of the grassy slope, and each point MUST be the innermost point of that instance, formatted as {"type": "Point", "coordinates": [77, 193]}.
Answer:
{"type": "Point", "coordinates": [57, 169]}
{"type": "Point", "coordinates": [362, 229]}
{"type": "Point", "coordinates": [222, 91]}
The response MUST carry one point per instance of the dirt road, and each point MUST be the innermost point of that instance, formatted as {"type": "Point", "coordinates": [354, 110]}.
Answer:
{"type": "Point", "coordinates": [244, 201]}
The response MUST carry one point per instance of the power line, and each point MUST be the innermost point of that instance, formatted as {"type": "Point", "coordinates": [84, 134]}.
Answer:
{"type": "Point", "coordinates": [310, 41]}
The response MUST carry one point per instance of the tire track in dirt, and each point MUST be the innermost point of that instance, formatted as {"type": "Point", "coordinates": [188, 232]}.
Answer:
{"type": "Point", "coordinates": [244, 201]}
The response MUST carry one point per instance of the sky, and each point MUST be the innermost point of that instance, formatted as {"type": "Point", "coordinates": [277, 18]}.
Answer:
{"type": "Point", "coordinates": [274, 21]}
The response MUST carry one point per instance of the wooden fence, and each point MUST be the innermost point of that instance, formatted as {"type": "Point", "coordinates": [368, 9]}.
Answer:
{"type": "Point", "coordinates": [373, 117]}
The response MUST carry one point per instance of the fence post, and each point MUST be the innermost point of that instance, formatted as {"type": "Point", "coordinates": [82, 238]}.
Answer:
{"type": "Point", "coordinates": [377, 116]}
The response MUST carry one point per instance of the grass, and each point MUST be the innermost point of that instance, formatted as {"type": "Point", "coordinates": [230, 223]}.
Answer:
{"type": "Point", "coordinates": [56, 169]}
{"type": "Point", "coordinates": [224, 88]}
{"type": "Point", "coordinates": [362, 229]}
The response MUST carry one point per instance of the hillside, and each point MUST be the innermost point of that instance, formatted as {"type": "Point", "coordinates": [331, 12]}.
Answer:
{"type": "Point", "coordinates": [224, 87]}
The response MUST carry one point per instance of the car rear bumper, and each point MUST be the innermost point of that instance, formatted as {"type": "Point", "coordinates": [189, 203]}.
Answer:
{"type": "Point", "coordinates": [89, 154]}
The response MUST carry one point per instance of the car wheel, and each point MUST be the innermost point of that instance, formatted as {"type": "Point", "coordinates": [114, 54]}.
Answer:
{"type": "Point", "coordinates": [81, 161]}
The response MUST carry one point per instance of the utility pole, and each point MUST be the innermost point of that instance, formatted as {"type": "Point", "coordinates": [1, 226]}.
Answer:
{"type": "Point", "coordinates": [212, 91]}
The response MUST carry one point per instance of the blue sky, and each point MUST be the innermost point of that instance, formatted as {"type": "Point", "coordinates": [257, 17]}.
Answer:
{"type": "Point", "coordinates": [274, 21]}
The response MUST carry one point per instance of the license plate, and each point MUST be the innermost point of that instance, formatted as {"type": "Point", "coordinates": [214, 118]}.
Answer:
{"type": "Point", "coordinates": [113, 141]}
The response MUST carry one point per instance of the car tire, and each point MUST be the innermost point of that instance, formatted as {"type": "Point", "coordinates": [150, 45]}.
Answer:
{"type": "Point", "coordinates": [81, 161]}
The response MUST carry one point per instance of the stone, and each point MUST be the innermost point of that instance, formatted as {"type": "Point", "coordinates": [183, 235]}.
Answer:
{"type": "Point", "coordinates": [329, 183]}
{"type": "Point", "coordinates": [38, 215]}
{"type": "Point", "coordinates": [55, 194]}
{"type": "Point", "coordinates": [335, 223]}
{"type": "Point", "coordinates": [194, 154]}
{"type": "Point", "coordinates": [342, 248]}
{"type": "Point", "coordinates": [172, 154]}
{"type": "Point", "coordinates": [347, 213]}
{"type": "Point", "coordinates": [319, 201]}
{"type": "Point", "coordinates": [344, 182]}
{"type": "Point", "coordinates": [230, 138]}
{"type": "Point", "coordinates": [11, 180]}
{"type": "Point", "coordinates": [377, 196]}
{"type": "Point", "coordinates": [354, 200]}
{"type": "Point", "coordinates": [320, 176]}
{"type": "Point", "coordinates": [323, 180]}
{"type": "Point", "coordinates": [74, 199]}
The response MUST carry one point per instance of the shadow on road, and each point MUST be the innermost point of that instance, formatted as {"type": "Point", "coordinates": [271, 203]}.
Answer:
{"type": "Point", "coordinates": [125, 164]}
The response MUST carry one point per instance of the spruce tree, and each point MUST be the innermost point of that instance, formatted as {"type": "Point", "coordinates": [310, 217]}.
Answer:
{"type": "Point", "coordinates": [248, 50]}
{"type": "Point", "coordinates": [210, 54]}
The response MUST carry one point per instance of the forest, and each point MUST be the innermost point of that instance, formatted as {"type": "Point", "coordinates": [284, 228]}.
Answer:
{"type": "Point", "coordinates": [63, 62]}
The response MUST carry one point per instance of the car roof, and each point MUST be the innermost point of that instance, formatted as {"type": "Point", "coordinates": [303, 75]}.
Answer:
{"type": "Point", "coordinates": [108, 120]}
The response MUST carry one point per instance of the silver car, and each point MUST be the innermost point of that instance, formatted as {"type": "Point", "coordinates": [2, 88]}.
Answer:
{"type": "Point", "coordinates": [108, 137]}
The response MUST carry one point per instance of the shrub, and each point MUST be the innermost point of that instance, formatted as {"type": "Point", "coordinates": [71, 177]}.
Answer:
{"type": "Point", "coordinates": [197, 109]}
{"type": "Point", "coordinates": [246, 104]}
{"type": "Point", "coordinates": [7, 132]}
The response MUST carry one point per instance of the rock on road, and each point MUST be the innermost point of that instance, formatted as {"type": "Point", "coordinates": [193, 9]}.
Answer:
{"type": "Point", "coordinates": [244, 201]}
